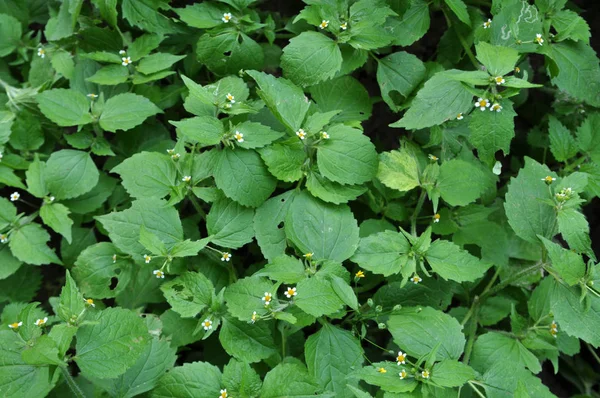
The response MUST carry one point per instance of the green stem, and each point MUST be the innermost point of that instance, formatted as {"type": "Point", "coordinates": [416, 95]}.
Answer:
{"type": "Point", "coordinates": [71, 383]}
{"type": "Point", "coordinates": [197, 206]}
{"type": "Point", "coordinates": [476, 389]}
{"type": "Point", "coordinates": [472, 332]}
{"type": "Point", "coordinates": [283, 342]}
{"type": "Point", "coordinates": [593, 352]}
{"type": "Point", "coordinates": [463, 42]}
{"type": "Point", "coordinates": [511, 279]}
{"type": "Point", "coordinates": [413, 220]}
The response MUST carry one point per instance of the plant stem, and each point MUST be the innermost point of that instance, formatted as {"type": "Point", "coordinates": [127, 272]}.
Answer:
{"type": "Point", "coordinates": [596, 357]}
{"type": "Point", "coordinates": [463, 42]}
{"type": "Point", "coordinates": [197, 206]}
{"type": "Point", "coordinates": [476, 389]}
{"type": "Point", "coordinates": [71, 383]}
{"type": "Point", "coordinates": [472, 332]}
{"type": "Point", "coordinates": [413, 219]}
{"type": "Point", "coordinates": [511, 279]}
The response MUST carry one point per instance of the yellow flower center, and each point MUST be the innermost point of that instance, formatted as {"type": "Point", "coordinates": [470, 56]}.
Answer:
{"type": "Point", "coordinates": [14, 325]}
{"type": "Point", "coordinates": [436, 216]}
{"type": "Point", "coordinates": [89, 301]}
{"type": "Point", "coordinates": [360, 274]}
{"type": "Point", "coordinates": [381, 370]}
{"type": "Point", "coordinates": [401, 358]}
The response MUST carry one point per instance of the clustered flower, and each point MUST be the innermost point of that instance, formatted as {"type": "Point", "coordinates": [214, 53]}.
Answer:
{"type": "Point", "coordinates": [564, 194]}
{"type": "Point", "coordinates": [324, 135]}
{"type": "Point", "coordinates": [554, 329]}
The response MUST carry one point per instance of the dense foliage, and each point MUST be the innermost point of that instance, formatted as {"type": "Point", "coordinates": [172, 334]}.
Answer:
{"type": "Point", "coordinates": [349, 198]}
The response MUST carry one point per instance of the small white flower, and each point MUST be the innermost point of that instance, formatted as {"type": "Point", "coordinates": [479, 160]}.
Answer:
{"type": "Point", "coordinates": [170, 151]}
{"type": "Point", "coordinates": [324, 135]}
{"type": "Point", "coordinates": [14, 196]}
{"type": "Point", "coordinates": [89, 302]}
{"type": "Point", "coordinates": [344, 26]}
{"type": "Point", "coordinates": [239, 137]}
{"type": "Point", "coordinates": [254, 317]}
{"type": "Point", "coordinates": [402, 374]}
{"type": "Point", "coordinates": [230, 98]}
{"type": "Point", "coordinates": [122, 52]}
{"type": "Point", "coordinates": [159, 274]}
{"type": "Point", "coordinates": [416, 279]}
{"type": "Point", "coordinates": [436, 217]}
{"type": "Point", "coordinates": [548, 179]}
{"type": "Point", "coordinates": [401, 358]}
{"type": "Point", "coordinates": [459, 116]}
{"type": "Point", "coordinates": [226, 17]}
{"type": "Point", "coordinates": [1, 156]}
{"type": "Point", "coordinates": [496, 107]}
{"type": "Point", "coordinates": [3, 238]}
{"type": "Point", "coordinates": [487, 24]}
{"type": "Point", "coordinates": [147, 258]}
{"type": "Point", "coordinates": [207, 324]}
{"type": "Point", "coordinates": [41, 322]}
{"type": "Point", "coordinates": [175, 156]}
{"type": "Point", "coordinates": [267, 298]}
{"type": "Point", "coordinates": [223, 393]}
{"type": "Point", "coordinates": [186, 179]}
{"type": "Point", "coordinates": [290, 292]}
{"type": "Point", "coordinates": [482, 104]}
{"type": "Point", "coordinates": [425, 374]}
{"type": "Point", "coordinates": [308, 256]}
{"type": "Point", "coordinates": [324, 24]}
{"type": "Point", "coordinates": [433, 158]}
{"type": "Point", "coordinates": [499, 80]}
{"type": "Point", "coordinates": [114, 258]}
{"type": "Point", "coordinates": [226, 256]}
{"type": "Point", "coordinates": [228, 106]}
{"type": "Point", "coordinates": [301, 134]}
{"type": "Point", "coordinates": [126, 61]}
{"type": "Point", "coordinates": [52, 199]}
{"type": "Point", "coordinates": [15, 325]}
{"type": "Point", "coordinates": [41, 53]}
{"type": "Point", "coordinates": [92, 96]}
{"type": "Point", "coordinates": [538, 39]}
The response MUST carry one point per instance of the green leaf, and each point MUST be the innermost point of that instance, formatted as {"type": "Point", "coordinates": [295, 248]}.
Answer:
{"type": "Point", "coordinates": [154, 214]}
{"type": "Point", "coordinates": [575, 70]}
{"type": "Point", "coordinates": [56, 216]}
{"type": "Point", "coordinates": [569, 24]}
{"type": "Point", "coordinates": [573, 316]}
{"type": "Point", "coordinates": [347, 157]}
{"type": "Point", "coordinates": [109, 347]}
{"type": "Point", "coordinates": [26, 132]}
{"type": "Point", "coordinates": [70, 173]}
{"type": "Point", "coordinates": [412, 25]}
{"type": "Point", "coordinates": [256, 135]}
{"type": "Point", "coordinates": [388, 380]}
{"type": "Point", "coordinates": [108, 10]}
{"type": "Point", "coordinates": [247, 342]}
{"type": "Point", "coordinates": [189, 293]}
{"type": "Point", "coordinates": [398, 76]}
{"type": "Point", "coordinates": [157, 62]}
{"type": "Point", "coordinates": [241, 380]}
{"type": "Point", "coordinates": [246, 296]}
{"type": "Point", "coordinates": [504, 376]}
{"type": "Point", "coordinates": [459, 8]}
{"type": "Point", "coordinates": [324, 61]}
{"type": "Point", "coordinates": [229, 51]}
{"type": "Point", "coordinates": [192, 380]}
{"type": "Point", "coordinates": [317, 297]}
{"type": "Point", "coordinates": [330, 232]}
{"type": "Point", "coordinates": [332, 192]}
{"type": "Point", "coordinates": [43, 352]}
{"type": "Point", "coordinates": [460, 182]}
{"type": "Point", "coordinates": [188, 248]}
{"type": "Point", "coordinates": [492, 131]}
{"type": "Point", "coordinates": [398, 170]}
{"type": "Point", "coordinates": [28, 244]}
{"type": "Point", "coordinates": [229, 224]}
{"type": "Point", "coordinates": [147, 174]}
{"type": "Point", "coordinates": [65, 107]}
{"type": "Point", "coordinates": [418, 331]}
{"type": "Point", "coordinates": [451, 373]}
{"type": "Point", "coordinates": [10, 31]}
{"type": "Point", "coordinates": [144, 14]}
{"type": "Point", "coordinates": [492, 348]}
{"type": "Point", "coordinates": [285, 159]}
{"type": "Point", "coordinates": [242, 176]}
{"type": "Point", "coordinates": [10, 264]}
{"type": "Point", "coordinates": [527, 214]}
{"type": "Point", "coordinates": [570, 266]}
{"type": "Point", "coordinates": [575, 230]}
{"type": "Point", "coordinates": [126, 111]}
{"type": "Point", "coordinates": [151, 242]}
{"type": "Point", "coordinates": [110, 75]}
{"type": "Point", "coordinates": [269, 235]}
{"type": "Point", "coordinates": [95, 271]}
{"type": "Point", "coordinates": [441, 99]}
{"type": "Point", "coordinates": [71, 302]}
{"type": "Point", "coordinates": [451, 262]}
{"type": "Point", "coordinates": [354, 105]}
{"type": "Point", "coordinates": [8, 213]}
{"type": "Point", "coordinates": [562, 143]}
{"type": "Point", "coordinates": [201, 15]}
{"type": "Point", "coordinates": [498, 60]}
{"type": "Point", "coordinates": [35, 178]}
{"type": "Point", "coordinates": [382, 253]}
{"type": "Point", "coordinates": [289, 377]}
{"type": "Point", "coordinates": [17, 378]}
{"type": "Point", "coordinates": [207, 130]}
{"type": "Point", "coordinates": [157, 358]}
{"type": "Point", "coordinates": [331, 355]}
{"type": "Point", "coordinates": [283, 98]}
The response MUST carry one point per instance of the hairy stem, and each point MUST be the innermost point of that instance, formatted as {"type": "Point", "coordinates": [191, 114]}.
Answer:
{"type": "Point", "coordinates": [71, 383]}
{"type": "Point", "coordinates": [413, 219]}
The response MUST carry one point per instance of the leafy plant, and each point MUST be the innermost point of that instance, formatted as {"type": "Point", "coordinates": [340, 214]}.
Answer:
{"type": "Point", "coordinates": [204, 199]}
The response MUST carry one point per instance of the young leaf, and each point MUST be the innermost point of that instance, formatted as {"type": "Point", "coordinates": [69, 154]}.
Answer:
{"type": "Point", "coordinates": [147, 174]}
{"type": "Point", "coordinates": [126, 111]}
{"type": "Point", "coordinates": [398, 170]}
{"type": "Point", "coordinates": [71, 302]}
{"type": "Point", "coordinates": [570, 266]}
{"type": "Point", "coordinates": [28, 244]}
{"type": "Point", "coordinates": [451, 262]}
{"type": "Point", "coordinates": [229, 224]}
{"type": "Point", "coordinates": [575, 230]}
{"type": "Point", "coordinates": [498, 60]}
{"type": "Point", "coordinates": [317, 297]}
{"type": "Point", "coordinates": [189, 293]}
{"type": "Point", "coordinates": [157, 62]}
{"type": "Point", "coordinates": [56, 216]}
{"type": "Point", "coordinates": [285, 159]}
{"type": "Point", "coordinates": [382, 253]}
{"type": "Point", "coordinates": [249, 343]}
{"type": "Point", "coordinates": [65, 107]}
{"type": "Point", "coordinates": [206, 130]}
{"type": "Point", "coordinates": [289, 375]}
{"type": "Point", "coordinates": [70, 174]}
